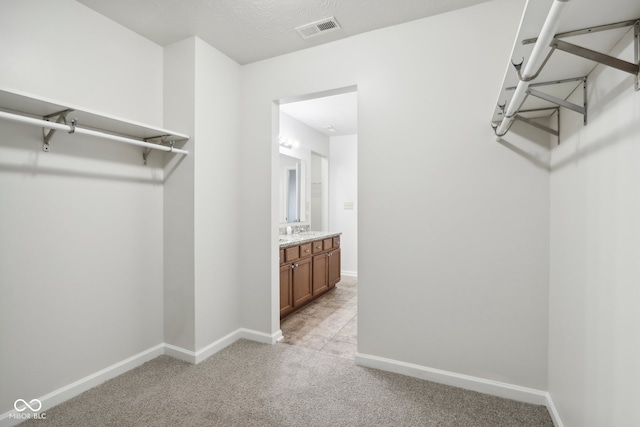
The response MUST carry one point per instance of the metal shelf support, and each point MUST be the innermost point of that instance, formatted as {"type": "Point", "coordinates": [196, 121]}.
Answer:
{"type": "Point", "coordinates": [525, 88]}
{"type": "Point", "coordinates": [610, 61]}
{"type": "Point", "coordinates": [537, 125]}
{"type": "Point", "coordinates": [552, 99]}
{"type": "Point", "coordinates": [47, 134]}
{"type": "Point", "coordinates": [563, 103]}
{"type": "Point", "coordinates": [602, 58]}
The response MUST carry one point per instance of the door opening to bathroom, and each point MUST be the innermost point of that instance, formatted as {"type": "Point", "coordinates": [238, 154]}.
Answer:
{"type": "Point", "coordinates": [318, 221]}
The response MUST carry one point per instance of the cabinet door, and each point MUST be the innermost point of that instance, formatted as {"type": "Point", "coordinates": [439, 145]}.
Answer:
{"type": "Point", "coordinates": [334, 267]}
{"type": "Point", "coordinates": [302, 291]}
{"type": "Point", "coordinates": [286, 291]}
{"type": "Point", "coordinates": [320, 278]}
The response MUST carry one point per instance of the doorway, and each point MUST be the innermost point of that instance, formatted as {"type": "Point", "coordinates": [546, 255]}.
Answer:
{"type": "Point", "coordinates": [320, 131]}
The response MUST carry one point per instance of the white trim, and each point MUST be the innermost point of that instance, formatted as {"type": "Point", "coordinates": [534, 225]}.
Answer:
{"type": "Point", "coordinates": [262, 337]}
{"type": "Point", "coordinates": [180, 353]}
{"type": "Point", "coordinates": [482, 385]}
{"type": "Point", "coordinates": [216, 346]}
{"type": "Point", "coordinates": [349, 273]}
{"type": "Point", "coordinates": [69, 391]}
{"type": "Point", "coordinates": [555, 416]}
{"type": "Point", "coordinates": [234, 336]}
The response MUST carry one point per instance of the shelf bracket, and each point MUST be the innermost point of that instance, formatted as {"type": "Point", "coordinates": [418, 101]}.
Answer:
{"type": "Point", "coordinates": [632, 68]}
{"type": "Point", "coordinates": [145, 155]}
{"type": "Point", "coordinates": [537, 125]}
{"type": "Point", "coordinates": [146, 151]}
{"type": "Point", "coordinates": [563, 103]}
{"type": "Point", "coordinates": [602, 58]}
{"type": "Point", "coordinates": [160, 137]}
{"type": "Point", "coordinates": [60, 117]}
{"type": "Point", "coordinates": [552, 82]}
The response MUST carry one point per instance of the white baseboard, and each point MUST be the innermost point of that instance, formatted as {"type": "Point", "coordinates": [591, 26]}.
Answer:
{"type": "Point", "coordinates": [211, 349]}
{"type": "Point", "coordinates": [195, 357]}
{"type": "Point", "coordinates": [67, 392]}
{"type": "Point", "coordinates": [56, 397]}
{"type": "Point", "coordinates": [180, 353]}
{"type": "Point", "coordinates": [349, 273]}
{"type": "Point", "coordinates": [262, 337]}
{"type": "Point", "coordinates": [495, 388]}
{"type": "Point", "coordinates": [234, 336]}
{"type": "Point", "coordinates": [555, 416]}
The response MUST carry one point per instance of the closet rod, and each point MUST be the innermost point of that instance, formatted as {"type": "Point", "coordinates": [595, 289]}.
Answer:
{"type": "Point", "coordinates": [73, 129]}
{"type": "Point", "coordinates": [531, 70]}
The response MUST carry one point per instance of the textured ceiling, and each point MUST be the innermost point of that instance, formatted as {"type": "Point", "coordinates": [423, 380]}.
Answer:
{"type": "Point", "coordinates": [251, 30]}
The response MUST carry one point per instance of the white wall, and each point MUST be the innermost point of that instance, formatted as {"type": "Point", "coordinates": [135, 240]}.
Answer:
{"type": "Point", "coordinates": [343, 181]}
{"type": "Point", "coordinates": [468, 272]}
{"type": "Point", "coordinates": [70, 53]}
{"type": "Point", "coordinates": [218, 254]}
{"type": "Point", "coordinates": [594, 321]}
{"type": "Point", "coordinates": [179, 198]}
{"type": "Point", "coordinates": [81, 226]}
{"type": "Point", "coordinates": [201, 200]}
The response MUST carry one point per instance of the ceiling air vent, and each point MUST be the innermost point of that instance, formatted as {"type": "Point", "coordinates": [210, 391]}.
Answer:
{"type": "Point", "coordinates": [316, 28]}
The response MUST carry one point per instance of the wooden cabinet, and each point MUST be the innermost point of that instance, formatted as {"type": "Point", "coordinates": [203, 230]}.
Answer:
{"type": "Point", "coordinates": [326, 271]}
{"type": "Point", "coordinates": [333, 267]}
{"type": "Point", "coordinates": [320, 274]}
{"type": "Point", "coordinates": [301, 282]}
{"type": "Point", "coordinates": [307, 271]}
{"type": "Point", "coordinates": [295, 278]}
{"type": "Point", "coordinates": [286, 290]}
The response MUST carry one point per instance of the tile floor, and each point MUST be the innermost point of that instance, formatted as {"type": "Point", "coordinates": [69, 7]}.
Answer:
{"type": "Point", "coordinates": [328, 324]}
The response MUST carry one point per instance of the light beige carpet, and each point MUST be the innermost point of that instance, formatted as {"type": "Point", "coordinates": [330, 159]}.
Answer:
{"type": "Point", "coordinates": [252, 384]}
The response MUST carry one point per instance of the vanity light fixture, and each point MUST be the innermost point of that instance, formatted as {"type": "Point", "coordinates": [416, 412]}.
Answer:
{"type": "Point", "coordinates": [288, 142]}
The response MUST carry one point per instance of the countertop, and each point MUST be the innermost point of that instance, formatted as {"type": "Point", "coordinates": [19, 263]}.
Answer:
{"type": "Point", "coordinates": [287, 240]}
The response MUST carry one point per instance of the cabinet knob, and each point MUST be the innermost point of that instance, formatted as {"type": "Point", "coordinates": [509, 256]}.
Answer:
{"type": "Point", "coordinates": [292, 266]}
{"type": "Point", "coordinates": [307, 250]}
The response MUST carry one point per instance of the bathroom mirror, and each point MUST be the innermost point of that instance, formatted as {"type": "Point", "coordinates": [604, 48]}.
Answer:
{"type": "Point", "coordinates": [293, 192]}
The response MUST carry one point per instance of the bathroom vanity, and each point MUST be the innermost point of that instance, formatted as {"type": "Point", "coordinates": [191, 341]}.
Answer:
{"type": "Point", "coordinates": [309, 267]}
